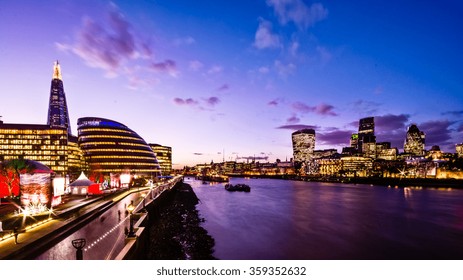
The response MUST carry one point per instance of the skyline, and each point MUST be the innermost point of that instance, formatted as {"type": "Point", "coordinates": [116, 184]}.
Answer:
{"type": "Point", "coordinates": [238, 78]}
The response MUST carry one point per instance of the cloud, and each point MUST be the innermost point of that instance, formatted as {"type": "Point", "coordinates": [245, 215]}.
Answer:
{"type": "Point", "coordinates": [168, 66]}
{"type": "Point", "coordinates": [223, 87]}
{"type": "Point", "coordinates": [366, 107]}
{"type": "Point", "coordinates": [392, 122]}
{"type": "Point", "coordinates": [293, 120]}
{"type": "Point", "coordinates": [297, 127]}
{"type": "Point", "coordinates": [325, 110]}
{"type": "Point", "coordinates": [460, 128]}
{"type": "Point", "coordinates": [438, 132]}
{"type": "Point", "coordinates": [264, 70]}
{"type": "Point", "coordinates": [264, 37]}
{"type": "Point", "coordinates": [274, 102]}
{"type": "Point", "coordinates": [284, 69]}
{"type": "Point", "coordinates": [184, 41]}
{"type": "Point", "coordinates": [113, 46]}
{"type": "Point", "coordinates": [391, 128]}
{"type": "Point", "coordinates": [321, 109]}
{"type": "Point", "coordinates": [298, 12]}
{"type": "Point", "coordinates": [215, 69]}
{"type": "Point", "coordinates": [212, 101]}
{"type": "Point", "coordinates": [335, 137]}
{"type": "Point", "coordinates": [195, 65]}
{"type": "Point", "coordinates": [454, 113]}
{"type": "Point", "coordinates": [187, 101]}
{"type": "Point", "coordinates": [325, 55]}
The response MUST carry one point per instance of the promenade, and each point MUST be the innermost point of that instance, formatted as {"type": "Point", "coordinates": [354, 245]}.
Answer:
{"type": "Point", "coordinates": [67, 218]}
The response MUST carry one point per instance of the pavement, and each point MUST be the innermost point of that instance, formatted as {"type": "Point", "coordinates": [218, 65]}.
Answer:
{"type": "Point", "coordinates": [36, 236]}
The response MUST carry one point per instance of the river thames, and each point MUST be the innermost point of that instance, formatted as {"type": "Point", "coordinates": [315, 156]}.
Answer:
{"type": "Point", "coordinates": [284, 220]}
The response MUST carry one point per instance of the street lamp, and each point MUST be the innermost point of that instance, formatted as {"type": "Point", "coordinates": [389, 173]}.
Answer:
{"type": "Point", "coordinates": [130, 208]}
{"type": "Point", "coordinates": [79, 244]}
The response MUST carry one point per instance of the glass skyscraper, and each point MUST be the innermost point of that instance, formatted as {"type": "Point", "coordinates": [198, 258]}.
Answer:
{"type": "Point", "coordinates": [303, 144]}
{"type": "Point", "coordinates": [58, 115]}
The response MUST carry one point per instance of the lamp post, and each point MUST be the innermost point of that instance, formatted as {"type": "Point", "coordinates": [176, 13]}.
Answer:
{"type": "Point", "coordinates": [130, 208]}
{"type": "Point", "coordinates": [79, 244]}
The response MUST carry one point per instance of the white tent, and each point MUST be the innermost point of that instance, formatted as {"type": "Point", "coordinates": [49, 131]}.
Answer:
{"type": "Point", "coordinates": [80, 186]}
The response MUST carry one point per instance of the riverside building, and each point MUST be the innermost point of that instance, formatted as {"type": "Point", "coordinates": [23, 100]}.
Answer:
{"type": "Point", "coordinates": [303, 144]}
{"type": "Point", "coordinates": [110, 147]}
{"type": "Point", "coordinates": [414, 141]}
{"type": "Point", "coordinates": [164, 156]}
{"type": "Point", "coordinates": [51, 144]}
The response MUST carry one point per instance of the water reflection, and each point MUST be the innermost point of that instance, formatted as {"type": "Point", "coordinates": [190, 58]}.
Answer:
{"type": "Point", "coordinates": [305, 220]}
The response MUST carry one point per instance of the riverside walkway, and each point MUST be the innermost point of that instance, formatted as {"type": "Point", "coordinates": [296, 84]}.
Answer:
{"type": "Point", "coordinates": [102, 221]}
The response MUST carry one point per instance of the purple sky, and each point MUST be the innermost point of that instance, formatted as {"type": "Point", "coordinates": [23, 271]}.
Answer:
{"type": "Point", "coordinates": [233, 80]}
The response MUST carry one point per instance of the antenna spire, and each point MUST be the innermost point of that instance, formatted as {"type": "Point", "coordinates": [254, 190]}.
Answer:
{"type": "Point", "coordinates": [57, 71]}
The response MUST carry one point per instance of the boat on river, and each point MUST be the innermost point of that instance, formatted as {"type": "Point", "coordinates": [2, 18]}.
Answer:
{"type": "Point", "coordinates": [237, 188]}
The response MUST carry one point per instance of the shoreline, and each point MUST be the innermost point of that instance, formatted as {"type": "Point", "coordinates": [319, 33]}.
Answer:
{"type": "Point", "coordinates": [176, 232]}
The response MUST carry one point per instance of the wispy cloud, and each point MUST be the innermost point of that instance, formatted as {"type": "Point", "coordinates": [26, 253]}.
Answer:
{"type": "Point", "coordinates": [297, 127]}
{"type": "Point", "coordinates": [168, 66]}
{"type": "Point", "coordinates": [366, 107]}
{"type": "Point", "coordinates": [215, 69]}
{"type": "Point", "coordinates": [293, 120]}
{"type": "Point", "coordinates": [438, 132]}
{"type": "Point", "coordinates": [321, 109]}
{"type": "Point", "coordinates": [264, 37]}
{"type": "Point", "coordinates": [391, 122]}
{"type": "Point", "coordinates": [195, 65]}
{"type": "Point", "coordinates": [334, 136]}
{"type": "Point", "coordinates": [298, 12]}
{"type": "Point", "coordinates": [184, 41]}
{"type": "Point", "coordinates": [454, 113]}
{"type": "Point", "coordinates": [210, 102]}
{"type": "Point", "coordinates": [283, 69]}
{"type": "Point", "coordinates": [187, 101]}
{"type": "Point", "coordinates": [223, 87]}
{"type": "Point", "coordinates": [325, 55]}
{"type": "Point", "coordinates": [113, 46]}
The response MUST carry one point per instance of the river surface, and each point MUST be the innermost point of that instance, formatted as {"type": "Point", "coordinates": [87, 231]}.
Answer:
{"type": "Point", "coordinates": [282, 219]}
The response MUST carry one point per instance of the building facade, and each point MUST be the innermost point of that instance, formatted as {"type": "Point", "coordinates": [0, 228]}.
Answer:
{"type": "Point", "coordinates": [164, 156]}
{"type": "Point", "coordinates": [37, 142]}
{"type": "Point", "coordinates": [58, 115]}
{"type": "Point", "coordinates": [111, 147]}
{"type": "Point", "coordinates": [459, 149]}
{"type": "Point", "coordinates": [415, 141]}
{"type": "Point", "coordinates": [303, 144]}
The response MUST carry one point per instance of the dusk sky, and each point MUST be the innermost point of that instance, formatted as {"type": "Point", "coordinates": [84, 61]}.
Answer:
{"type": "Point", "coordinates": [207, 77]}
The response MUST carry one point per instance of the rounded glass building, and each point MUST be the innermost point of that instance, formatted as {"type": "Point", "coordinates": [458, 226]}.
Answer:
{"type": "Point", "coordinates": [111, 147]}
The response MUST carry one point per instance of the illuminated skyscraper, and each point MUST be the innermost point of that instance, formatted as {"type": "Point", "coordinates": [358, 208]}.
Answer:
{"type": "Point", "coordinates": [414, 141]}
{"type": "Point", "coordinates": [164, 156]}
{"type": "Point", "coordinates": [58, 115]}
{"type": "Point", "coordinates": [366, 143]}
{"type": "Point", "coordinates": [303, 144]}
{"type": "Point", "coordinates": [367, 126]}
{"type": "Point", "coordinates": [459, 149]}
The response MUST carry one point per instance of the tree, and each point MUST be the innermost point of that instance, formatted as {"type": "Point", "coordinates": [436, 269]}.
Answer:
{"type": "Point", "coordinates": [10, 172]}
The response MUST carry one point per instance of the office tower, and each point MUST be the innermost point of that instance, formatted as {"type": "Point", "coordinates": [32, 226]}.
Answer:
{"type": "Point", "coordinates": [366, 143]}
{"type": "Point", "coordinates": [354, 140]}
{"type": "Point", "coordinates": [414, 141]}
{"type": "Point", "coordinates": [459, 149]}
{"type": "Point", "coordinates": [164, 156]}
{"type": "Point", "coordinates": [367, 126]}
{"type": "Point", "coordinates": [303, 144]}
{"type": "Point", "coordinates": [58, 115]}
